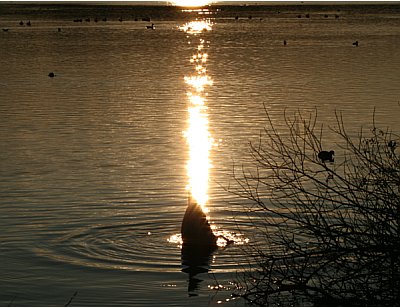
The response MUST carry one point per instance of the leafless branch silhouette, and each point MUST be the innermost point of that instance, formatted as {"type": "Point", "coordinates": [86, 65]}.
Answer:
{"type": "Point", "coordinates": [331, 229]}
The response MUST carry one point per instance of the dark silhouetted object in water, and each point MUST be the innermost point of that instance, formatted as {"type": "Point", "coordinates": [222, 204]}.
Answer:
{"type": "Point", "coordinates": [5, 29]}
{"type": "Point", "coordinates": [199, 243]}
{"type": "Point", "coordinates": [326, 156]}
{"type": "Point", "coordinates": [21, 23]}
{"type": "Point", "coordinates": [51, 74]}
{"type": "Point", "coordinates": [28, 23]}
{"type": "Point", "coordinates": [196, 260]}
{"type": "Point", "coordinates": [195, 229]}
{"type": "Point", "coordinates": [150, 27]}
{"type": "Point", "coordinates": [284, 43]}
{"type": "Point", "coordinates": [355, 43]}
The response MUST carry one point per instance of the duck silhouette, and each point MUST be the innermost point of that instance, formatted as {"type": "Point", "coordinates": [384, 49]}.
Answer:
{"type": "Point", "coordinates": [199, 244]}
{"type": "Point", "coordinates": [195, 229]}
{"type": "Point", "coordinates": [326, 156]}
{"type": "Point", "coordinates": [151, 27]}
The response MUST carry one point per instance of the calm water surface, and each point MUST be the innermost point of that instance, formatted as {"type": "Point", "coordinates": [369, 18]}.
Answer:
{"type": "Point", "coordinates": [93, 162]}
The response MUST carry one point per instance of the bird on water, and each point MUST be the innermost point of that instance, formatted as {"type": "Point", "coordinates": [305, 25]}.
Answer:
{"type": "Point", "coordinates": [326, 156]}
{"type": "Point", "coordinates": [195, 228]}
{"type": "Point", "coordinates": [151, 27]}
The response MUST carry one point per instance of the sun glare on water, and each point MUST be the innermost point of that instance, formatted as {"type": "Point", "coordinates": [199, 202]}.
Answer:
{"type": "Point", "coordinates": [191, 3]}
{"type": "Point", "coordinates": [197, 134]}
{"type": "Point", "coordinates": [197, 26]}
{"type": "Point", "coordinates": [200, 143]}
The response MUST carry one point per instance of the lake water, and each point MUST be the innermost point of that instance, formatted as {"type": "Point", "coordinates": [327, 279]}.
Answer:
{"type": "Point", "coordinates": [93, 161]}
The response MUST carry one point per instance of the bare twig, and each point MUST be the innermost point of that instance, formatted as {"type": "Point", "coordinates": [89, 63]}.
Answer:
{"type": "Point", "coordinates": [332, 229]}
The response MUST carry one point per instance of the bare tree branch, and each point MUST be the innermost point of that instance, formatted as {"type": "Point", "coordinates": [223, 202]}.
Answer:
{"type": "Point", "coordinates": [332, 229]}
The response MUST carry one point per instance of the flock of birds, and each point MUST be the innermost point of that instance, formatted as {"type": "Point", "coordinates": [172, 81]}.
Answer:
{"type": "Point", "coordinates": [147, 19]}
{"type": "Point", "coordinates": [120, 19]}
{"type": "Point", "coordinates": [152, 27]}
{"type": "Point", "coordinates": [298, 16]}
{"type": "Point", "coordinates": [52, 74]}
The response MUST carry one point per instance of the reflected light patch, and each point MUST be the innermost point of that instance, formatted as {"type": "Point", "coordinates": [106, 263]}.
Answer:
{"type": "Point", "coordinates": [198, 136]}
{"type": "Point", "coordinates": [200, 143]}
{"type": "Point", "coordinates": [191, 3]}
{"type": "Point", "coordinates": [222, 241]}
{"type": "Point", "coordinates": [197, 26]}
{"type": "Point", "coordinates": [198, 82]}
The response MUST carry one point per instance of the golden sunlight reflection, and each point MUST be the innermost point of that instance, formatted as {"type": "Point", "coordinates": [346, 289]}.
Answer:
{"type": "Point", "coordinates": [198, 137]}
{"type": "Point", "coordinates": [224, 238]}
{"type": "Point", "coordinates": [200, 143]}
{"type": "Point", "coordinates": [191, 3]}
{"type": "Point", "coordinates": [198, 26]}
{"type": "Point", "coordinates": [197, 134]}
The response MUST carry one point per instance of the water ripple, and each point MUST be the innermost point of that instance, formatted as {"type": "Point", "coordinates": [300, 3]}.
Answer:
{"type": "Point", "coordinates": [134, 247]}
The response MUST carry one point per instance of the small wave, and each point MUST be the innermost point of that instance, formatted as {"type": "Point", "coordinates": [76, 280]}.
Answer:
{"type": "Point", "coordinates": [136, 247]}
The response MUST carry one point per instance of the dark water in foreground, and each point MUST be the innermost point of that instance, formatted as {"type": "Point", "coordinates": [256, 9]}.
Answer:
{"type": "Point", "coordinates": [93, 161]}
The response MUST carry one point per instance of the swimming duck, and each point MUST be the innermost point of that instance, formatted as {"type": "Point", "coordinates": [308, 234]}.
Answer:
{"type": "Point", "coordinates": [326, 156]}
{"type": "Point", "coordinates": [195, 228]}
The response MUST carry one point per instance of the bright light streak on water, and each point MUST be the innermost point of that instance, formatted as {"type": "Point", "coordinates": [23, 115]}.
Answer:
{"type": "Point", "coordinates": [197, 134]}
{"type": "Point", "coordinates": [191, 3]}
{"type": "Point", "coordinates": [198, 26]}
{"type": "Point", "coordinates": [200, 143]}
{"type": "Point", "coordinates": [222, 241]}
